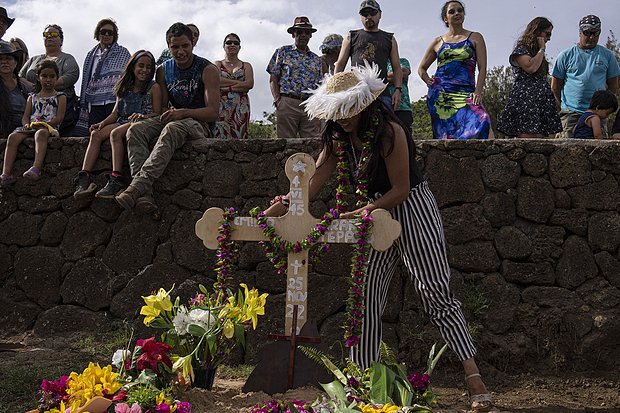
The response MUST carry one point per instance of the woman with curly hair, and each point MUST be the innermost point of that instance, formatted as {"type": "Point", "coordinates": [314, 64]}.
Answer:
{"type": "Point", "coordinates": [530, 111]}
{"type": "Point", "coordinates": [454, 94]}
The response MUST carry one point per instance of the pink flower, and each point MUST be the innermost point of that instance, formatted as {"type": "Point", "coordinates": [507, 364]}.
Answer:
{"type": "Point", "coordinates": [183, 407]}
{"type": "Point", "coordinates": [124, 408]}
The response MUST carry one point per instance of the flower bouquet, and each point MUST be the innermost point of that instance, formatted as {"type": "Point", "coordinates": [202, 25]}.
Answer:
{"type": "Point", "coordinates": [143, 382]}
{"type": "Point", "coordinates": [203, 331]}
{"type": "Point", "coordinates": [383, 387]}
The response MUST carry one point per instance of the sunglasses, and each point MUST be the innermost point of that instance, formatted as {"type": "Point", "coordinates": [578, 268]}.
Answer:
{"type": "Point", "coordinates": [457, 10]}
{"type": "Point", "coordinates": [548, 34]}
{"type": "Point", "coordinates": [51, 34]}
{"type": "Point", "coordinates": [369, 12]}
{"type": "Point", "coordinates": [301, 31]}
{"type": "Point", "coordinates": [232, 42]}
{"type": "Point", "coordinates": [106, 32]}
{"type": "Point", "coordinates": [591, 33]}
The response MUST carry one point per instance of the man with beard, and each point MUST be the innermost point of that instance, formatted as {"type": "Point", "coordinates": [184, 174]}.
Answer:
{"type": "Point", "coordinates": [293, 70]}
{"type": "Point", "coordinates": [374, 46]}
{"type": "Point", "coordinates": [191, 92]}
{"type": "Point", "coordinates": [581, 70]}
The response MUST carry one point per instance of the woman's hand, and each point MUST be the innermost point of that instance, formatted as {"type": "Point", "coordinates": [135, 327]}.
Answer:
{"type": "Point", "coordinates": [542, 41]}
{"type": "Point", "coordinates": [357, 212]}
{"type": "Point", "coordinates": [476, 98]}
{"type": "Point", "coordinates": [429, 80]}
{"type": "Point", "coordinates": [95, 126]}
{"type": "Point", "coordinates": [276, 210]}
{"type": "Point", "coordinates": [135, 117]}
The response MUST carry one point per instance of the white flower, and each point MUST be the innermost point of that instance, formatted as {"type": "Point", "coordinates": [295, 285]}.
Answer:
{"type": "Point", "coordinates": [119, 357]}
{"type": "Point", "coordinates": [204, 318]}
{"type": "Point", "coordinates": [181, 321]}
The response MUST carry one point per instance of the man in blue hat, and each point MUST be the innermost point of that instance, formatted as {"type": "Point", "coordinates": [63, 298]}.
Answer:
{"type": "Point", "coordinates": [581, 70]}
{"type": "Point", "coordinates": [373, 45]}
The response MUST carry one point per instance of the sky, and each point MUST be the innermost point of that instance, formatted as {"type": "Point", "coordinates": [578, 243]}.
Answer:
{"type": "Point", "coordinates": [262, 25]}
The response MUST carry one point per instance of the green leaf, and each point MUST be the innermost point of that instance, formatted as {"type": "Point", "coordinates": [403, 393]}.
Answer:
{"type": "Point", "coordinates": [432, 359]}
{"type": "Point", "coordinates": [291, 408]}
{"type": "Point", "coordinates": [146, 377]}
{"type": "Point", "coordinates": [240, 334]}
{"type": "Point", "coordinates": [212, 343]}
{"type": "Point", "coordinates": [196, 330]}
{"type": "Point", "coordinates": [402, 395]}
{"type": "Point", "coordinates": [203, 289]}
{"type": "Point", "coordinates": [381, 384]}
{"type": "Point", "coordinates": [335, 389]}
{"type": "Point", "coordinates": [159, 323]}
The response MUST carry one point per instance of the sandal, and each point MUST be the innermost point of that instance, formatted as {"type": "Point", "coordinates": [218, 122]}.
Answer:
{"type": "Point", "coordinates": [479, 402]}
{"type": "Point", "coordinates": [33, 173]}
{"type": "Point", "coordinates": [7, 180]}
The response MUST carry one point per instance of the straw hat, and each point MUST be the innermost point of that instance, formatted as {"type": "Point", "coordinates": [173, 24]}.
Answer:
{"type": "Point", "coordinates": [345, 94]}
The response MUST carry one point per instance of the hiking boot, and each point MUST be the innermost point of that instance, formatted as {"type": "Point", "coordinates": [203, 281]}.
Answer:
{"type": "Point", "coordinates": [128, 198]}
{"type": "Point", "coordinates": [114, 187]}
{"type": "Point", "coordinates": [84, 185]}
{"type": "Point", "coordinates": [146, 205]}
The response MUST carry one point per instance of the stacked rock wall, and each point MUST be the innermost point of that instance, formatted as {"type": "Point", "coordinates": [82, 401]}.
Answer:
{"type": "Point", "coordinates": [533, 231]}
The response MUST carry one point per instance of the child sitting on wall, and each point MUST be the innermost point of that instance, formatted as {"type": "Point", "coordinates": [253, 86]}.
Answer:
{"type": "Point", "coordinates": [589, 125]}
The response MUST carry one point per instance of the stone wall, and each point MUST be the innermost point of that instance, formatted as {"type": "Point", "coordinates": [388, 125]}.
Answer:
{"type": "Point", "coordinates": [533, 228]}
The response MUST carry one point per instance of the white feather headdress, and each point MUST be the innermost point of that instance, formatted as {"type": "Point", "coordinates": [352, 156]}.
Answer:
{"type": "Point", "coordinates": [345, 94]}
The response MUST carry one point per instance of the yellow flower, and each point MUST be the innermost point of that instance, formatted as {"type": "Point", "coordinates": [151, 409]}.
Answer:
{"type": "Point", "coordinates": [185, 364]}
{"type": "Point", "coordinates": [155, 304]}
{"type": "Point", "coordinates": [94, 381]}
{"type": "Point", "coordinates": [229, 329]}
{"type": "Point", "coordinates": [254, 305]}
{"type": "Point", "coordinates": [386, 408]}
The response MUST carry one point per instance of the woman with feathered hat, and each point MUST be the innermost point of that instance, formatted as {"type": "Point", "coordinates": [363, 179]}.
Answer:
{"type": "Point", "coordinates": [363, 134]}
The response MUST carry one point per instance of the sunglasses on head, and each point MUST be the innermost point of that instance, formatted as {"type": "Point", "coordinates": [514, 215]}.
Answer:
{"type": "Point", "coordinates": [591, 33]}
{"type": "Point", "coordinates": [369, 12]}
{"type": "Point", "coordinates": [232, 42]}
{"type": "Point", "coordinates": [51, 34]}
{"type": "Point", "coordinates": [457, 10]}
{"type": "Point", "coordinates": [106, 32]}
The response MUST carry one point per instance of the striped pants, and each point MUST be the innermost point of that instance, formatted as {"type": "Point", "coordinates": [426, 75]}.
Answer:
{"type": "Point", "coordinates": [422, 248]}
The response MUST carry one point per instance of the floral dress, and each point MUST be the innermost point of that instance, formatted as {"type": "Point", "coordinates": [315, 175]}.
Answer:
{"type": "Point", "coordinates": [531, 106]}
{"type": "Point", "coordinates": [453, 114]}
{"type": "Point", "coordinates": [234, 109]}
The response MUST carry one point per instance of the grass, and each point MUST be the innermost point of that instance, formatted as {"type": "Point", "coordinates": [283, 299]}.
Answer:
{"type": "Point", "coordinates": [242, 371]}
{"type": "Point", "coordinates": [475, 301]}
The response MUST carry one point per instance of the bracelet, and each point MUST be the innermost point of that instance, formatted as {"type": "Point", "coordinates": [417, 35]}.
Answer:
{"type": "Point", "coordinates": [399, 88]}
{"type": "Point", "coordinates": [542, 49]}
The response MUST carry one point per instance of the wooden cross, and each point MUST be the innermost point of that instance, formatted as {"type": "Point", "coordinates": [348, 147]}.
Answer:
{"type": "Point", "coordinates": [294, 226]}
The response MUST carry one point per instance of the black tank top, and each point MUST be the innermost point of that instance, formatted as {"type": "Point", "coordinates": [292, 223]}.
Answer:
{"type": "Point", "coordinates": [371, 46]}
{"type": "Point", "coordinates": [378, 178]}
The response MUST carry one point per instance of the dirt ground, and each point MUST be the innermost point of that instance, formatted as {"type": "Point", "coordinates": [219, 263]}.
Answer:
{"type": "Point", "coordinates": [22, 367]}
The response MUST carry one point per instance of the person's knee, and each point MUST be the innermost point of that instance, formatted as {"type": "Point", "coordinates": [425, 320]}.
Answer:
{"type": "Point", "coordinates": [41, 134]}
{"type": "Point", "coordinates": [116, 136]}
{"type": "Point", "coordinates": [14, 139]}
{"type": "Point", "coordinates": [97, 136]}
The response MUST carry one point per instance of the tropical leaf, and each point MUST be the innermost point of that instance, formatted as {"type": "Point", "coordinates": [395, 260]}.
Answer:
{"type": "Point", "coordinates": [291, 408]}
{"type": "Point", "coordinates": [324, 360]}
{"type": "Point", "coordinates": [240, 334]}
{"type": "Point", "coordinates": [196, 330]}
{"type": "Point", "coordinates": [402, 395]}
{"type": "Point", "coordinates": [381, 384]}
{"type": "Point", "coordinates": [335, 389]}
{"type": "Point", "coordinates": [433, 359]}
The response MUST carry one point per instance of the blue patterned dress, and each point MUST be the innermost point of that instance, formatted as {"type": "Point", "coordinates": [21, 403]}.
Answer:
{"type": "Point", "coordinates": [453, 114]}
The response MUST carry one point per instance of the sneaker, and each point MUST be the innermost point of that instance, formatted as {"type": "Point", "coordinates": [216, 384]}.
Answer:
{"type": "Point", "coordinates": [7, 180]}
{"type": "Point", "coordinates": [84, 185]}
{"type": "Point", "coordinates": [33, 173]}
{"type": "Point", "coordinates": [127, 199]}
{"type": "Point", "coordinates": [114, 187]}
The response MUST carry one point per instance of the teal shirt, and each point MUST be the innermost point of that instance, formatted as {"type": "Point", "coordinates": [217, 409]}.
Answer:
{"type": "Point", "coordinates": [405, 103]}
{"type": "Point", "coordinates": [584, 71]}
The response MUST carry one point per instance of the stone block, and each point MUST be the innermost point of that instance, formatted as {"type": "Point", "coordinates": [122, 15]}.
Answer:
{"type": "Point", "coordinates": [187, 248]}
{"type": "Point", "coordinates": [54, 228]}
{"type": "Point", "coordinates": [83, 234]}
{"type": "Point", "coordinates": [465, 183]}
{"type": "Point", "coordinates": [21, 228]}
{"type": "Point", "coordinates": [476, 256]}
{"type": "Point", "coordinates": [88, 284]}
{"type": "Point", "coordinates": [503, 299]}
{"type": "Point", "coordinates": [511, 243]}
{"type": "Point", "coordinates": [38, 274]}
{"type": "Point", "coordinates": [535, 199]}
{"type": "Point", "coordinates": [132, 245]}
{"type": "Point", "coordinates": [187, 199]}
{"type": "Point", "coordinates": [599, 294]}
{"type": "Point", "coordinates": [534, 164]}
{"type": "Point", "coordinates": [465, 223]}
{"type": "Point", "coordinates": [37, 205]}
{"type": "Point", "coordinates": [499, 208]}
{"type": "Point", "coordinates": [222, 179]}
{"type": "Point", "coordinates": [500, 173]}
{"type": "Point", "coordinates": [573, 220]}
{"type": "Point", "coordinates": [576, 265]}
{"type": "Point", "coordinates": [569, 166]}
{"type": "Point", "coordinates": [66, 319]}
{"type": "Point", "coordinates": [610, 267]}
{"type": "Point", "coordinates": [604, 231]}
{"type": "Point", "coordinates": [598, 196]}
{"type": "Point", "coordinates": [528, 273]}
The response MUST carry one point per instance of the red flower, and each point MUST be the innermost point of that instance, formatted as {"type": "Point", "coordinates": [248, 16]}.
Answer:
{"type": "Point", "coordinates": [153, 353]}
{"type": "Point", "coordinates": [120, 396]}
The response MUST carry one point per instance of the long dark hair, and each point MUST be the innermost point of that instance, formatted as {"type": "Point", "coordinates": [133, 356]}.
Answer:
{"type": "Point", "coordinates": [529, 40]}
{"type": "Point", "coordinates": [45, 64]}
{"type": "Point", "coordinates": [128, 79]}
{"type": "Point", "coordinates": [375, 124]}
